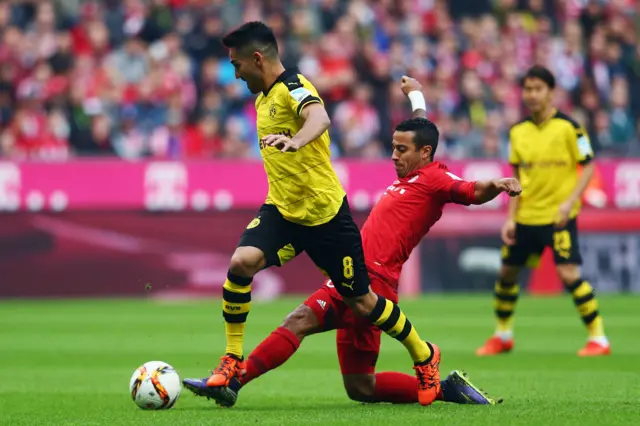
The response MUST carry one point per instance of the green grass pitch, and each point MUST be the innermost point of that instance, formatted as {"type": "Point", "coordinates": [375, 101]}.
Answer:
{"type": "Point", "coordinates": [69, 363]}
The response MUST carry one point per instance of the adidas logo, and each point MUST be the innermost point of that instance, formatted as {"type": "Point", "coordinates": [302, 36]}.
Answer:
{"type": "Point", "coordinates": [322, 303]}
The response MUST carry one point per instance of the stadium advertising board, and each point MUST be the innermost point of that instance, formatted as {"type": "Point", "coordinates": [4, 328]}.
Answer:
{"type": "Point", "coordinates": [166, 230]}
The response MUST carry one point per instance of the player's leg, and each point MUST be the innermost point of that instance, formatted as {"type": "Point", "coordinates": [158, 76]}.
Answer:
{"type": "Point", "coordinates": [336, 247]}
{"type": "Point", "coordinates": [264, 243]}
{"type": "Point", "coordinates": [358, 348]}
{"type": "Point", "coordinates": [525, 251]}
{"type": "Point", "coordinates": [320, 312]}
{"type": "Point", "coordinates": [567, 257]}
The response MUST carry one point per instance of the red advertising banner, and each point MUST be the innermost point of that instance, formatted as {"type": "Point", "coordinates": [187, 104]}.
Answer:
{"type": "Point", "coordinates": [186, 255]}
{"type": "Point", "coordinates": [219, 185]}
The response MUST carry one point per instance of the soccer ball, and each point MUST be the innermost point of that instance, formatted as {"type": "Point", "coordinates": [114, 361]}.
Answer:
{"type": "Point", "coordinates": [155, 385]}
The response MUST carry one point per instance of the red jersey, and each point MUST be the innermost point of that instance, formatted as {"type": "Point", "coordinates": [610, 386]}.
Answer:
{"type": "Point", "coordinates": [406, 212]}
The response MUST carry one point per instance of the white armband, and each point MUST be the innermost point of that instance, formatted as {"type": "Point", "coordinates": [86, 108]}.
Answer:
{"type": "Point", "coordinates": [417, 100]}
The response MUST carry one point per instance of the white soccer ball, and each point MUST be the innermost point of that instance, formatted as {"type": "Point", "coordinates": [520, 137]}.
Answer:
{"type": "Point", "coordinates": [155, 385]}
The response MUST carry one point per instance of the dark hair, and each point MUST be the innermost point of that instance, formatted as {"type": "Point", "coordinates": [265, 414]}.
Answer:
{"type": "Point", "coordinates": [254, 34]}
{"type": "Point", "coordinates": [542, 73]}
{"type": "Point", "coordinates": [426, 132]}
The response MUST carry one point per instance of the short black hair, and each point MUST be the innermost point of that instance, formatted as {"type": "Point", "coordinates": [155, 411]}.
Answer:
{"type": "Point", "coordinates": [252, 34]}
{"type": "Point", "coordinates": [542, 73]}
{"type": "Point", "coordinates": [426, 132]}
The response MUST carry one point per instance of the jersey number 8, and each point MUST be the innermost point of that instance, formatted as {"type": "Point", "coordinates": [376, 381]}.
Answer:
{"type": "Point", "coordinates": [347, 267]}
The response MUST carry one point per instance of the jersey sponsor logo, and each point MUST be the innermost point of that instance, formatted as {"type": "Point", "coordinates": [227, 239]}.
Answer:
{"type": "Point", "coordinates": [254, 223]}
{"type": "Point", "coordinates": [393, 188]}
{"type": "Point", "coordinates": [547, 164]}
{"type": "Point", "coordinates": [300, 94]}
{"type": "Point", "coordinates": [286, 133]}
{"type": "Point", "coordinates": [584, 146]}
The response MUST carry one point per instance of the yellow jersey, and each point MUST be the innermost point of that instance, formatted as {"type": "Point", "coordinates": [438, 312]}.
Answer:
{"type": "Point", "coordinates": [302, 185]}
{"type": "Point", "coordinates": [547, 156]}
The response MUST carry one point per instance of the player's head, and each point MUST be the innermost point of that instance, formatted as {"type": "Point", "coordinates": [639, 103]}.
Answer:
{"type": "Point", "coordinates": [251, 48]}
{"type": "Point", "coordinates": [537, 88]}
{"type": "Point", "coordinates": [414, 143]}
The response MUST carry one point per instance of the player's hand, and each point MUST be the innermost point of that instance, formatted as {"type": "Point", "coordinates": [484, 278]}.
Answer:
{"type": "Point", "coordinates": [281, 142]}
{"type": "Point", "coordinates": [509, 185]}
{"type": "Point", "coordinates": [562, 218]}
{"type": "Point", "coordinates": [408, 84]}
{"type": "Point", "coordinates": [508, 232]}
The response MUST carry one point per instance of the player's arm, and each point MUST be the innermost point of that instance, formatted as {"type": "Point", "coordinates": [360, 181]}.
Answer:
{"type": "Point", "coordinates": [580, 147]}
{"type": "Point", "coordinates": [487, 190]}
{"type": "Point", "coordinates": [413, 90]}
{"type": "Point", "coordinates": [458, 191]}
{"type": "Point", "coordinates": [316, 122]}
{"type": "Point", "coordinates": [305, 103]}
{"type": "Point", "coordinates": [514, 202]}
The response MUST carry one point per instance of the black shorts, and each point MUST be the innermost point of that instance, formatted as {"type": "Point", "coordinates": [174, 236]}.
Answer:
{"type": "Point", "coordinates": [531, 241]}
{"type": "Point", "coordinates": [335, 247]}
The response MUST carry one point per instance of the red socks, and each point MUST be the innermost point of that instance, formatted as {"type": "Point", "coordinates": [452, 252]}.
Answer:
{"type": "Point", "coordinates": [271, 353]}
{"type": "Point", "coordinates": [397, 388]}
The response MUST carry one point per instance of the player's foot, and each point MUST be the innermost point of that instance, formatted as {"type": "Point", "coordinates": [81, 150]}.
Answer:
{"type": "Point", "coordinates": [225, 396]}
{"type": "Point", "coordinates": [595, 349]}
{"type": "Point", "coordinates": [428, 374]}
{"type": "Point", "coordinates": [458, 388]}
{"type": "Point", "coordinates": [229, 367]}
{"type": "Point", "coordinates": [494, 346]}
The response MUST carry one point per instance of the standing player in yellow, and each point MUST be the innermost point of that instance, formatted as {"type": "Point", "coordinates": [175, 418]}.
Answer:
{"type": "Point", "coordinates": [306, 210]}
{"type": "Point", "coordinates": [545, 151]}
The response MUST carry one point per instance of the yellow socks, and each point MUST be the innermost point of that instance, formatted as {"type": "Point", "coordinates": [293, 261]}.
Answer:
{"type": "Point", "coordinates": [505, 299]}
{"type": "Point", "coordinates": [236, 304]}
{"type": "Point", "coordinates": [388, 316]}
{"type": "Point", "coordinates": [587, 305]}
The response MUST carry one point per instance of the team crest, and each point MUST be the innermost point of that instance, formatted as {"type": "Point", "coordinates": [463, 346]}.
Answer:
{"type": "Point", "coordinates": [272, 110]}
{"type": "Point", "coordinates": [255, 222]}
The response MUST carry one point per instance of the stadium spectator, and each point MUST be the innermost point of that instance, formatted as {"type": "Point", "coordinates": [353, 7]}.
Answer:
{"type": "Point", "coordinates": [140, 78]}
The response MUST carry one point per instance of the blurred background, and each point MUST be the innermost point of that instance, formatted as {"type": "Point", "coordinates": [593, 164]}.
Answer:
{"type": "Point", "coordinates": [128, 155]}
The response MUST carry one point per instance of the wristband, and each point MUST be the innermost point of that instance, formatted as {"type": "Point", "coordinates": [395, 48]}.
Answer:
{"type": "Point", "coordinates": [417, 100]}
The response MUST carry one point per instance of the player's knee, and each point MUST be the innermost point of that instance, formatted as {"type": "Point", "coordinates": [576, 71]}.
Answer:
{"type": "Point", "coordinates": [247, 261]}
{"type": "Point", "coordinates": [361, 389]}
{"type": "Point", "coordinates": [362, 305]}
{"type": "Point", "coordinates": [509, 273]}
{"type": "Point", "coordinates": [568, 274]}
{"type": "Point", "coordinates": [301, 322]}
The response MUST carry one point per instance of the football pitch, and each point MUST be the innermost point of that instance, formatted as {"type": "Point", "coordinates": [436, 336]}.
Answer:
{"type": "Point", "coordinates": [69, 363]}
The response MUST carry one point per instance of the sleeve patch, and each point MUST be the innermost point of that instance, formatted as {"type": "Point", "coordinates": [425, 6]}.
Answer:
{"type": "Point", "coordinates": [300, 94]}
{"type": "Point", "coordinates": [584, 146]}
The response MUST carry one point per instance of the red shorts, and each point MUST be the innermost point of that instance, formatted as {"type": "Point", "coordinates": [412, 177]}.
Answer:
{"type": "Point", "coordinates": [358, 341]}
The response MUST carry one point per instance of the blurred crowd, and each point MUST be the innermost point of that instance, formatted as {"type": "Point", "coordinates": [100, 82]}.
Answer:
{"type": "Point", "coordinates": [149, 78]}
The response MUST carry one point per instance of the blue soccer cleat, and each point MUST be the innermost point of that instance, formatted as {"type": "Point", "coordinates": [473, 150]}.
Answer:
{"type": "Point", "coordinates": [225, 396]}
{"type": "Point", "coordinates": [458, 388]}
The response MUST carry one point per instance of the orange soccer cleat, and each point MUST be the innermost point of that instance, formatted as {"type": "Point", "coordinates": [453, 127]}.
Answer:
{"type": "Point", "coordinates": [595, 349]}
{"type": "Point", "coordinates": [228, 368]}
{"type": "Point", "coordinates": [428, 374]}
{"type": "Point", "coordinates": [495, 346]}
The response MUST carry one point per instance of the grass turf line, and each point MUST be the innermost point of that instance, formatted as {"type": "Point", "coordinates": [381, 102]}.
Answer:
{"type": "Point", "coordinates": [69, 363]}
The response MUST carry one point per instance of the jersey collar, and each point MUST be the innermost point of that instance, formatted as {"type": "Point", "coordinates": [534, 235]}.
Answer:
{"type": "Point", "coordinates": [282, 77]}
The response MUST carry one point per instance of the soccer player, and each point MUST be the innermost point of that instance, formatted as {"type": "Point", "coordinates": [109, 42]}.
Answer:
{"type": "Point", "coordinates": [305, 210]}
{"type": "Point", "coordinates": [546, 148]}
{"type": "Point", "coordinates": [408, 209]}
